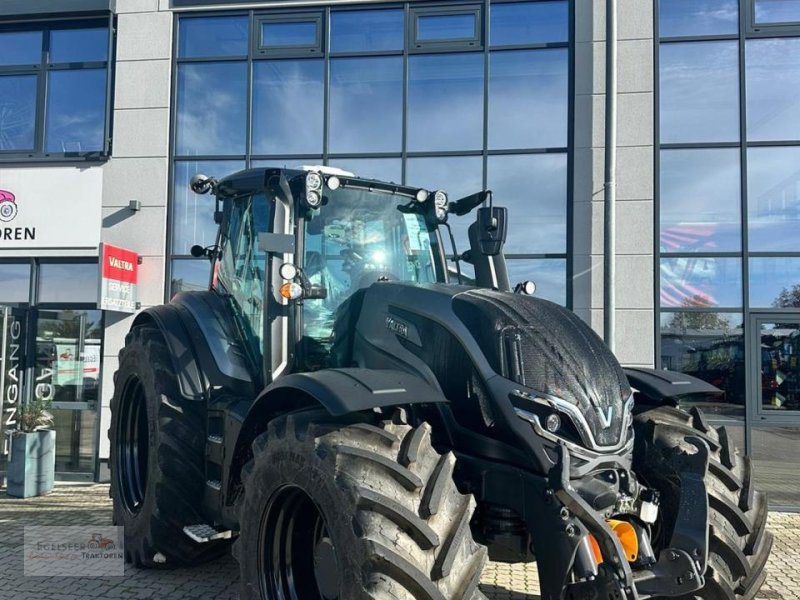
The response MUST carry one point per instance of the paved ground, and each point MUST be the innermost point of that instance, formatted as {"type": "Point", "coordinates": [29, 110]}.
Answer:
{"type": "Point", "coordinates": [89, 505]}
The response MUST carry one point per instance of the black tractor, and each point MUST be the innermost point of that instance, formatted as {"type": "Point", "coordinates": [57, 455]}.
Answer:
{"type": "Point", "coordinates": [359, 420]}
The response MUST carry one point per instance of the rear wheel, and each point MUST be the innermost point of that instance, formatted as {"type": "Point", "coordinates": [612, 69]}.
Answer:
{"type": "Point", "coordinates": [739, 543]}
{"type": "Point", "coordinates": [354, 511]}
{"type": "Point", "coordinates": [157, 452]}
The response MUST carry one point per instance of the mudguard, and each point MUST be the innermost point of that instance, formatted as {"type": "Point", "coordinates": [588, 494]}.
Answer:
{"type": "Point", "coordinates": [655, 387]}
{"type": "Point", "coordinates": [197, 331]}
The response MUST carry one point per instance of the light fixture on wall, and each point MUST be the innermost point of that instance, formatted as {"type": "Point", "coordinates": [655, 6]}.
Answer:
{"type": "Point", "coordinates": [135, 205]}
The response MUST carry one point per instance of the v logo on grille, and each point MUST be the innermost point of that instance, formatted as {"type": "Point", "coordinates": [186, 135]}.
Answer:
{"type": "Point", "coordinates": [605, 417]}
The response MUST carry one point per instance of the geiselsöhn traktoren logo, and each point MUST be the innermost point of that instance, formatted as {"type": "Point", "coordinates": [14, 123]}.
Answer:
{"type": "Point", "coordinates": [8, 206]}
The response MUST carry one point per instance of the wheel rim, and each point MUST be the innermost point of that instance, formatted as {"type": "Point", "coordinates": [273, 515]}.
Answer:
{"type": "Point", "coordinates": [297, 557]}
{"type": "Point", "coordinates": [132, 446]}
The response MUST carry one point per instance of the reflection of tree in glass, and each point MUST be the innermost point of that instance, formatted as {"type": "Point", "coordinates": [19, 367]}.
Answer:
{"type": "Point", "coordinates": [15, 124]}
{"type": "Point", "coordinates": [788, 297]}
{"type": "Point", "coordinates": [698, 320]}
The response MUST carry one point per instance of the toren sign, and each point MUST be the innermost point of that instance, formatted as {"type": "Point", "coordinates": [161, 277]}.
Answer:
{"type": "Point", "coordinates": [119, 279]}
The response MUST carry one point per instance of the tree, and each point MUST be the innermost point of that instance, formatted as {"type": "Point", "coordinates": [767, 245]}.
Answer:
{"type": "Point", "coordinates": [788, 297]}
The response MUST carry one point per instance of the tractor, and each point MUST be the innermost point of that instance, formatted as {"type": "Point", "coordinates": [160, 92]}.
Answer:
{"type": "Point", "coordinates": [353, 417]}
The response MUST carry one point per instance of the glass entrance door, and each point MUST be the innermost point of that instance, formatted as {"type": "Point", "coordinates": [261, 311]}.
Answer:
{"type": "Point", "coordinates": [66, 371]}
{"type": "Point", "coordinates": [774, 406]}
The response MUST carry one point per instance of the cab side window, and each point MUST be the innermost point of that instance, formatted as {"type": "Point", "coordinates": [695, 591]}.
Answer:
{"type": "Point", "coordinates": [241, 267]}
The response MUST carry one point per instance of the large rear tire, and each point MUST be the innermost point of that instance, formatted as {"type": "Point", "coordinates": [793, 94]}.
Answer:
{"type": "Point", "coordinates": [354, 511]}
{"type": "Point", "coordinates": [157, 451]}
{"type": "Point", "coordinates": [739, 543]}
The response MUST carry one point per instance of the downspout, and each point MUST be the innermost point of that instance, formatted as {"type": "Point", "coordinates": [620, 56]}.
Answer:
{"type": "Point", "coordinates": [610, 192]}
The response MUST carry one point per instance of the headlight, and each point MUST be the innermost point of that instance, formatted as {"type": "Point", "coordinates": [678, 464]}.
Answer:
{"type": "Point", "coordinates": [441, 214]}
{"type": "Point", "coordinates": [313, 181]}
{"type": "Point", "coordinates": [440, 199]}
{"type": "Point", "coordinates": [313, 199]}
{"type": "Point", "coordinates": [422, 195]}
{"type": "Point", "coordinates": [334, 182]}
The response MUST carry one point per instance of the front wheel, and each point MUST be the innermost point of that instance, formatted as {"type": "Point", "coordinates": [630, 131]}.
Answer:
{"type": "Point", "coordinates": [738, 540]}
{"type": "Point", "coordinates": [354, 511]}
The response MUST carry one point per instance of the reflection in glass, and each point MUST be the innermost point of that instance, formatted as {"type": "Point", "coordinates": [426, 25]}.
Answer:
{"type": "Point", "coordinates": [193, 215]}
{"type": "Point", "coordinates": [528, 92]}
{"type": "Point", "coordinates": [211, 118]}
{"type": "Point", "coordinates": [18, 112]}
{"type": "Point", "coordinates": [780, 365]}
{"type": "Point", "coordinates": [775, 464]}
{"type": "Point", "coordinates": [367, 30]}
{"type": "Point", "coordinates": [21, 47]}
{"type": "Point", "coordinates": [709, 346]}
{"type": "Point", "coordinates": [700, 282]}
{"type": "Point", "coordinates": [189, 276]}
{"type": "Point", "coordinates": [78, 45]}
{"type": "Point", "coordinates": [366, 104]}
{"type": "Point", "coordinates": [446, 27]}
{"type": "Point", "coordinates": [534, 188]}
{"type": "Point", "coordinates": [288, 163]}
{"type": "Point", "coordinates": [777, 11]}
{"type": "Point", "coordinates": [700, 200]}
{"type": "Point", "coordinates": [75, 440]}
{"type": "Point", "coordinates": [773, 89]}
{"type": "Point", "coordinates": [287, 106]}
{"type": "Point", "coordinates": [384, 169]}
{"type": "Point", "coordinates": [212, 36]}
{"type": "Point", "coordinates": [76, 110]}
{"type": "Point", "coordinates": [773, 199]}
{"type": "Point", "coordinates": [549, 275]}
{"type": "Point", "coordinates": [68, 282]}
{"type": "Point", "coordinates": [528, 23]}
{"type": "Point", "coordinates": [699, 92]}
{"type": "Point", "coordinates": [275, 34]}
{"type": "Point", "coordinates": [445, 102]}
{"type": "Point", "coordinates": [775, 282]}
{"type": "Point", "coordinates": [459, 176]}
{"type": "Point", "coordinates": [698, 17]}
{"type": "Point", "coordinates": [15, 282]}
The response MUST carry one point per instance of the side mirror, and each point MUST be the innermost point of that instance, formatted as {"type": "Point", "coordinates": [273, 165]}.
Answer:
{"type": "Point", "coordinates": [201, 184]}
{"type": "Point", "coordinates": [492, 229]}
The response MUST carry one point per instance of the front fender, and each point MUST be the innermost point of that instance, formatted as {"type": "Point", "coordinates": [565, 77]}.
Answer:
{"type": "Point", "coordinates": [657, 387]}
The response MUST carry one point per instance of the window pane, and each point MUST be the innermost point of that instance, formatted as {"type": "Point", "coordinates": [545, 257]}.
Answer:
{"type": "Point", "coordinates": [775, 464]}
{"type": "Point", "coordinates": [287, 163]}
{"type": "Point", "coordinates": [698, 17]}
{"type": "Point", "coordinates": [17, 112]}
{"type": "Point", "coordinates": [290, 33]}
{"type": "Point", "coordinates": [193, 215]}
{"type": "Point", "coordinates": [445, 102]}
{"type": "Point", "coordinates": [384, 169]}
{"type": "Point", "coordinates": [534, 188]}
{"type": "Point", "coordinates": [700, 197]}
{"type": "Point", "coordinates": [189, 276]}
{"type": "Point", "coordinates": [78, 45]}
{"type": "Point", "coordinates": [528, 92]}
{"type": "Point", "coordinates": [446, 27]}
{"type": "Point", "coordinates": [707, 345]}
{"type": "Point", "coordinates": [459, 176]}
{"type": "Point", "coordinates": [773, 89]}
{"type": "Point", "coordinates": [15, 281]}
{"type": "Point", "coordinates": [367, 30]}
{"type": "Point", "coordinates": [780, 370]}
{"type": "Point", "coordinates": [777, 11]}
{"type": "Point", "coordinates": [549, 275]}
{"type": "Point", "coordinates": [20, 48]}
{"type": "Point", "coordinates": [68, 282]}
{"type": "Point", "coordinates": [775, 282]}
{"type": "Point", "coordinates": [701, 282]}
{"type": "Point", "coordinates": [773, 199]}
{"type": "Point", "coordinates": [699, 92]}
{"type": "Point", "coordinates": [366, 104]}
{"type": "Point", "coordinates": [212, 36]}
{"type": "Point", "coordinates": [287, 107]}
{"type": "Point", "coordinates": [211, 118]}
{"type": "Point", "coordinates": [76, 111]}
{"type": "Point", "coordinates": [528, 23]}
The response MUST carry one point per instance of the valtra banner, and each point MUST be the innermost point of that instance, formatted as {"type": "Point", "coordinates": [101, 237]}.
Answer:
{"type": "Point", "coordinates": [119, 279]}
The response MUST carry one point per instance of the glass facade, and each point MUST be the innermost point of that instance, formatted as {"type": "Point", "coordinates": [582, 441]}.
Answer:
{"type": "Point", "coordinates": [728, 205]}
{"type": "Point", "coordinates": [472, 97]}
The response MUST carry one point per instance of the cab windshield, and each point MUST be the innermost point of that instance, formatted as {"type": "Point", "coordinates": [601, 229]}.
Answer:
{"type": "Point", "coordinates": [355, 239]}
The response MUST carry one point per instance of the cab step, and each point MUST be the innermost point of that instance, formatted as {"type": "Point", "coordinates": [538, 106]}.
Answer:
{"type": "Point", "coordinates": [203, 533]}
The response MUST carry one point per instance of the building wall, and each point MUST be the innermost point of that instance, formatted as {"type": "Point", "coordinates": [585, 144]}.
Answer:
{"type": "Point", "coordinates": [634, 232]}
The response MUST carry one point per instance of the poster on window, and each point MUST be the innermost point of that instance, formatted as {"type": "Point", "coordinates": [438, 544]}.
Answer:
{"type": "Point", "coordinates": [74, 369]}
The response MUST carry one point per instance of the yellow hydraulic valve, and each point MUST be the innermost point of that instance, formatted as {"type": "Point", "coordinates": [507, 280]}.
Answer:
{"type": "Point", "coordinates": [626, 534]}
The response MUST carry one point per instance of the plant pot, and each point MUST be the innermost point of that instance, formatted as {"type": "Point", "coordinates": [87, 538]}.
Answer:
{"type": "Point", "coordinates": [32, 464]}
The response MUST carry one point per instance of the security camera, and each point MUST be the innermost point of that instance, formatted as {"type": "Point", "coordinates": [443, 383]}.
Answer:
{"type": "Point", "coordinates": [201, 184]}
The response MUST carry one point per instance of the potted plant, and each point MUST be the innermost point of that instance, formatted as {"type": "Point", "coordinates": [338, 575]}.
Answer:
{"type": "Point", "coordinates": [32, 462]}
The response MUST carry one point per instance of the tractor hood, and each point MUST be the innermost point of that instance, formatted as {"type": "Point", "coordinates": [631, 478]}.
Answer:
{"type": "Point", "coordinates": [454, 335]}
